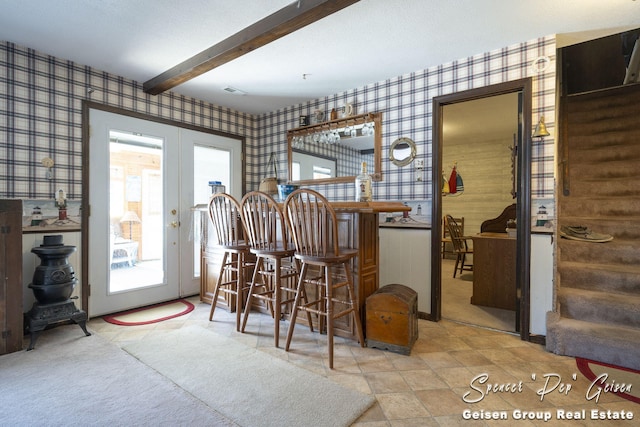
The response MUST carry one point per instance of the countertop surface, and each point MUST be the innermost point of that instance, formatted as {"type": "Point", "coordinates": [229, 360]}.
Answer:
{"type": "Point", "coordinates": [370, 207]}
{"type": "Point", "coordinates": [346, 206]}
{"type": "Point", "coordinates": [413, 221]}
{"type": "Point", "coordinates": [487, 235]}
{"type": "Point", "coordinates": [53, 225]}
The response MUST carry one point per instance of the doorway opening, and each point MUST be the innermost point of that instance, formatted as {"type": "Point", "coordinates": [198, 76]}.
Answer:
{"type": "Point", "coordinates": [477, 205]}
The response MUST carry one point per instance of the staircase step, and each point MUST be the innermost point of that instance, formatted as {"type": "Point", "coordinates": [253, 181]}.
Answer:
{"type": "Point", "coordinates": [600, 277]}
{"type": "Point", "coordinates": [615, 144]}
{"type": "Point", "coordinates": [613, 187]}
{"type": "Point", "coordinates": [601, 148]}
{"type": "Point", "coordinates": [616, 345]}
{"type": "Point", "coordinates": [599, 206]}
{"type": "Point", "coordinates": [600, 307]}
{"type": "Point", "coordinates": [605, 170]}
{"type": "Point", "coordinates": [619, 251]}
{"type": "Point", "coordinates": [620, 227]}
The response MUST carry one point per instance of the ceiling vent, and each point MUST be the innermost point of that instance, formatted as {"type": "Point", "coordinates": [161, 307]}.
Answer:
{"type": "Point", "coordinates": [234, 91]}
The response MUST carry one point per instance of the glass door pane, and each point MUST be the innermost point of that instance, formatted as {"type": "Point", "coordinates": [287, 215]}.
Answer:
{"type": "Point", "coordinates": [209, 164]}
{"type": "Point", "coordinates": [135, 214]}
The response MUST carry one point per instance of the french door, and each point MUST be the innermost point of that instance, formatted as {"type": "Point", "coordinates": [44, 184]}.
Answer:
{"type": "Point", "coordinates": [145, 179]}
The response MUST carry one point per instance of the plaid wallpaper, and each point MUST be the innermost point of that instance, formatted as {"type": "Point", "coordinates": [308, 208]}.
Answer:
{"type": "Point", "coordinates": [406, 103]}
{"type": "Point", "coordinates": [40, 116]}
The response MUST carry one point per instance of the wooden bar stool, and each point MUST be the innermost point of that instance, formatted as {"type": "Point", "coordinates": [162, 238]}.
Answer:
{"type": "Point", "coordinates": [269, 241]}
{"type": "Point", "coordinates": [314, 228]}
{"type": "Point", "coordinates": [225, 215]}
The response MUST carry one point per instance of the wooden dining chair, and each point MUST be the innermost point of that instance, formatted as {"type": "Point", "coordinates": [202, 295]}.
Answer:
{"type": "Point", "coordinates": [313, 225]}
{"type": "Point", "coordinates": [460, 246]}
{"type": "Point", "coordinates": [273, 281]}
{"type": "Point", "coordinates": [446, 237]}
{"type": "Point", "coordinates": [225, 214]}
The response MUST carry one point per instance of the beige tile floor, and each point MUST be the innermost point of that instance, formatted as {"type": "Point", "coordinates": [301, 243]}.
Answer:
{"type": "Point", "coordinates": [456, 302]}
{"type": "Point", "coordinates": [425, 388]}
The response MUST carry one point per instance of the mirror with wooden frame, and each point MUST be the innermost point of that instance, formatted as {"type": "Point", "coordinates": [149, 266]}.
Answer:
{"type": "Point", "coordinates": [333, 151]}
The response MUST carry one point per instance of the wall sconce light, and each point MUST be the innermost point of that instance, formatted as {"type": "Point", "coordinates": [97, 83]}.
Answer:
{"type": "Point", "coordinates": [541, 129]}
{"type": "Point", "coordinates": [47, 162]}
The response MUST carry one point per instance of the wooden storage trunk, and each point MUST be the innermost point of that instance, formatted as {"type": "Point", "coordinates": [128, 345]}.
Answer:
{"type": "Point", "coordinates": [392, 318]}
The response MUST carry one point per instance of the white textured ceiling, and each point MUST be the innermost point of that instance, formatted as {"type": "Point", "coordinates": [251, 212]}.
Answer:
{"type": "Point", "coordinates": [370, 41]}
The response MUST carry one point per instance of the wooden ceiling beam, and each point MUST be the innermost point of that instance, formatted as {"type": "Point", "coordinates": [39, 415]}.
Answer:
{"type": "Point", "coordinates": [285, 21]}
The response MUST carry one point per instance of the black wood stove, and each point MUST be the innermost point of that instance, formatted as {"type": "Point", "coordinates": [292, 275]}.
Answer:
{"type": "Point", "coordinates": [53, 283]}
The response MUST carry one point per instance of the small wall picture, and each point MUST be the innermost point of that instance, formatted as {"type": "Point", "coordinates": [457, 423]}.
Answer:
{"type": "Point", "coordinates": [134, 188]}
{"type": "Point", "coordinates": [543, 215]}
{"type": "Point", "coordinates": [304, 120]}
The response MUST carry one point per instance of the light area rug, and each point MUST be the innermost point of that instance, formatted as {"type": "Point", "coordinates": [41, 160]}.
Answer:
{"type": "Point", "coordinates": [71, 379]}
{"type": "Point", "coordinates": [152, 314]}
{"type": "Point", "coordinates": [246, 385]}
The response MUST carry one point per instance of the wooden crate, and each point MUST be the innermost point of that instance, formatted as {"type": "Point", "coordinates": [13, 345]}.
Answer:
{"type": "Point", "coordinates": [392, 318]}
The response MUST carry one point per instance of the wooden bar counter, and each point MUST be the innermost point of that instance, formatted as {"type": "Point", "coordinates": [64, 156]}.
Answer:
{"type": "Point", "coordinates": [494, 270]}
{"type": "Point", "coordinates": [357, 228]}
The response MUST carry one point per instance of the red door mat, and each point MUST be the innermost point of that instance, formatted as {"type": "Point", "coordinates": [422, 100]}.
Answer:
{"type": "Point", "coordinates": [612, 375]}
{"type": "Point", "coordinates": [151, 314]}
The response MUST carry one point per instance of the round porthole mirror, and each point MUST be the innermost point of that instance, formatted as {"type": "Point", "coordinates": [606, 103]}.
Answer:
{"type": "Point", "coordinates": [402, 151]}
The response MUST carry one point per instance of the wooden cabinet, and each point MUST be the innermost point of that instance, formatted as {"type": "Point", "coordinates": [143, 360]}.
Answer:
{"type": "Point", "coordinates": [494, 271]}
{"type": "Point", "coordinates": [359, 231]}
{"type": "Point", "coordinates": [11, 329]}
{"type": "Point", "coordinates": [210, 270]}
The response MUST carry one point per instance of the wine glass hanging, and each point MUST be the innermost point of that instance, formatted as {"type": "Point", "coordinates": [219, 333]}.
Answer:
{"type": "Point", "coordinates": [333, 133]}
